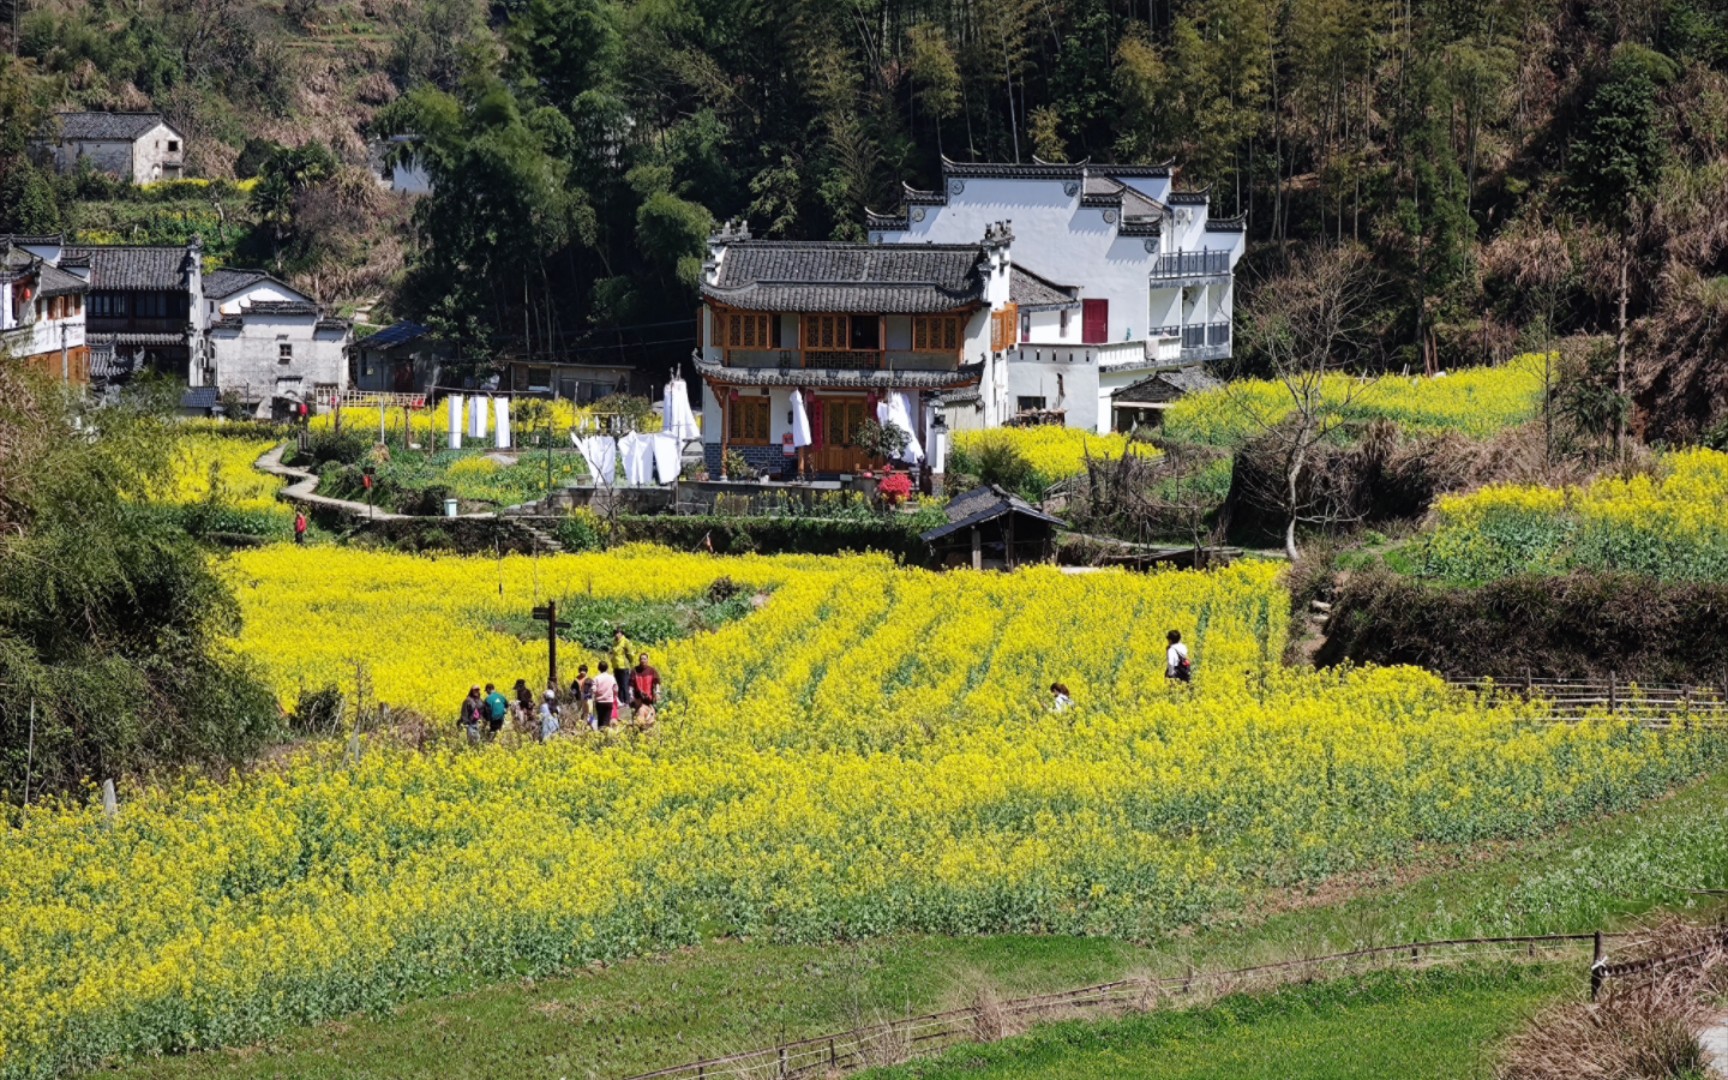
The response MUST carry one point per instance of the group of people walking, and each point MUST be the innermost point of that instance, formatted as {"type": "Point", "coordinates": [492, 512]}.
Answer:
{"type": "Point", "coordinates": [624, 688]}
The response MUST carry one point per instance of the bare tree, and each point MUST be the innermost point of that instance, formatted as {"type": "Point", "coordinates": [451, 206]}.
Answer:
{"type": "Point", "coordinates": [1309, 326]}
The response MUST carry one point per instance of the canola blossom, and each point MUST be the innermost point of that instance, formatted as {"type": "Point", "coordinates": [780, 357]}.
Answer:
{"type": "Point", "coordinates": [869, 751]}
{"type": "Point", "coordinates": [1054, 452]}
{"type": "Point", "coordinates": [1670, 525]}
{"type": "Point", "coordinates": [218, 469]}
{"type": "Point", "coordinates": [527, 416]}
{"type": "Point", "coordinates": [1475, 401]}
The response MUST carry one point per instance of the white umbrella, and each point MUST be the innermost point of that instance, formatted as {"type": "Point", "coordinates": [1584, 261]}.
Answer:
{"type": "Point", "coordinates": [800, 420]}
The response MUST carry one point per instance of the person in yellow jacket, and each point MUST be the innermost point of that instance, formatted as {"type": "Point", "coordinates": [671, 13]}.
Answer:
{"type": "Point", "coordinates": [623, 657]}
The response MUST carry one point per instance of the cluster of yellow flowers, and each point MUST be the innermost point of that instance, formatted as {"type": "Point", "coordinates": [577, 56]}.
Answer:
{"type": "Point", "coordinates": [872, 750]}
{"type": "Point", "coordinates": [1475, 401]}
{"type": "Point", "coordinates": [1054, 452]}
{"type": "Point", "coordinates": [217, 468]}
{"type": "Point", "coordinates": [1669, 525]}
{"type": "Point", "coordinates": [527, 415]}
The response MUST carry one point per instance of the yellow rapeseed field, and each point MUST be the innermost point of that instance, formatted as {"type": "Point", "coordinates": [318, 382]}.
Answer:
{"type": "Point", "coordinates": [1475, 401]}
{"type": "Point", "coordinates": [218, 467]}
{"type": "Point", "coordinates": [870, 751]}
{"type": "Point", "coordinates": [1670, 525]}
{"type": "Point", "coordinates": [1054, 452]}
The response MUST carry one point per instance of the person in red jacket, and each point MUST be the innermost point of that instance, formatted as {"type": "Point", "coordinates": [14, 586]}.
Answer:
{"type": "Point", "coordinates": [299, 526]}
{"type": "Point", "coordinates": [644, 690]}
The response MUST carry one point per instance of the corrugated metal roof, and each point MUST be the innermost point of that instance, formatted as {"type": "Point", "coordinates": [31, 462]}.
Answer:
{"type": "Point", "coordinates": [107, 125]}
{"type": "Point", "coordinates": [399, 334]}
{"type": "Point", "coordinates": [764, 275]}
{"type": "Point", "coordinates": [200, 397]}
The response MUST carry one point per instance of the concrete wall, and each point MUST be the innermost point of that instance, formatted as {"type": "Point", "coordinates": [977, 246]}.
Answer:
{"type": "Point", "coordinates": [1071, 386]}
{"type": "Point", "coordinates": [248, 359]}
{"type": "Point", "coordinates": [104, 155]}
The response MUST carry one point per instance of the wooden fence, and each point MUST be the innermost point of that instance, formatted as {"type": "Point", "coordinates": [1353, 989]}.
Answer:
{"type": "Point", "coordinates": [1573, 699]}
{"type": "Point", "coordinates": [898, 1040]}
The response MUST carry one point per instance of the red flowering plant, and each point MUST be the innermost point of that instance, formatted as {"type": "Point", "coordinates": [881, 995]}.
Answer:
{"type": "Point", "coordinates": [894, 486]}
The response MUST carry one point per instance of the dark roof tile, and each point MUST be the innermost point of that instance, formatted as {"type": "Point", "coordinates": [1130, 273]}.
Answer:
{"type": "Point", "coordinates": [965, 375]}
{"type": "Point", "coordinates": [133, 268]}
{"type": "Point", "coordinates": [107, 125]}
{"type": "Point", "coordinates": [763, 275]}
{"type": "Point", "coordinates": [1028, 290]}
{"type": "Point", "coordinates": [399, 334]}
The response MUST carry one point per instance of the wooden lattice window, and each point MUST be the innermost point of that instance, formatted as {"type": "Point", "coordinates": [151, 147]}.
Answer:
{"type": "Point", "coordinates": [827, 332]}
{"type": "Point", "coordinates": [936, 333]}
{"type": "Point", "coordinates": [1004, 327]}
{"type": "Point", "coordinates": [748, 421]}
{"type": "Point", "coordinates": [746, 330]}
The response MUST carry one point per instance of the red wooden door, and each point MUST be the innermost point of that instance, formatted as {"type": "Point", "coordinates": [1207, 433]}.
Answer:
{"type": "Point", "coordinates": [1094, 321]}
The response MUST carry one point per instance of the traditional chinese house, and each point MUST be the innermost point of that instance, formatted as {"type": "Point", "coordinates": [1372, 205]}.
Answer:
{"type": "Point", "coordinates": [839, 329]}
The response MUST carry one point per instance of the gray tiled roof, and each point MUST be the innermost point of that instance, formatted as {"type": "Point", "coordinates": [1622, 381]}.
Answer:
{"type": "Point", "coordinates": [107, 125]}
{"type": "Point", "coordinates": [965, 375]}
{"type": "Point", "coordinates": [133, 268]}
{"type": "Point", "coordinates": [57, 282]}
{"type": "Point", "coordinates": [983, 504]}
{"type": "Point", "coordinates": [1028, 290]}
{"type": "Point", "coordinates": [219, 284]}
{"type": "Point", "coordinates": [281, 307]}
{"type": "Point", "coordinates": [896, 279]}
{"type": "Point", "coordinates": [1169, 384]}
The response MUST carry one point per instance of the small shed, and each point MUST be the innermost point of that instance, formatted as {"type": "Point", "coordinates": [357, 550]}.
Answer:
{"type": "Point", "coordinates": [990, 527]}
{"type": "Point", "coordinates": [403, 359]}
{"type": "Point", "coordinates": [1142, 403]}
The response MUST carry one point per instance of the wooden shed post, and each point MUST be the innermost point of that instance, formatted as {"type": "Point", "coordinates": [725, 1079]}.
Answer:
{"type": "Point", "coordinates": [977, 549]}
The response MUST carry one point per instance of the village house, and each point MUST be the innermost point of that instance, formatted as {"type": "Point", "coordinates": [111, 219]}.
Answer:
{"type": "Point", "coordinates": [42, 315]}
{"type": "Point", "coordinates": [1117, 275]}
{"type": "Point", "coordinates": [844, 325]}
{"type": "Point", "coordinates": [1016, 294]}
{"type": "Point", "coordinates": [403, 358]}
{"type": "Point", "coordinates": [136, 146]}
{"type": "Point", "coordinates": [241, 332]}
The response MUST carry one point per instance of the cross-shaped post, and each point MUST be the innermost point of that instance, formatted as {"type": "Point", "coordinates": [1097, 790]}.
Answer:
{"type": "Point", "coordinates": [549, 612]}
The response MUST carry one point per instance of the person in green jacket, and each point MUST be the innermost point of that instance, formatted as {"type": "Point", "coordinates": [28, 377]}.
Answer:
{"type": "Point", "coordinates": [497, 708]}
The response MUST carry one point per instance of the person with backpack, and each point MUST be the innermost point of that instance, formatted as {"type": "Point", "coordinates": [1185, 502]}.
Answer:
{"type": "Point", "coordinates": [1176, 663]}
{"type": "Point", "coordinates": [644, 690]}
{"type": "Point", "coordinates": [497, 708]}
{"type": "Point", "coordinates": [582, 693]}
{"type": "Point", "coordinates": [473, 715]}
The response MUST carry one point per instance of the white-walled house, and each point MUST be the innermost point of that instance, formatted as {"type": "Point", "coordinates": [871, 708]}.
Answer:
{"type": "Point", "coordinates": [238, 331]}
{"type": "Point", "coordinates": [1122, 276]}
{"type": "Point", "coordinates": [845, 324]}
{"type": "Point", "coordinates": [136, 146]}
{"type": "Point", "coordinates": [42, 315]}
{"type": "Point", "coordinates": [270, 340]}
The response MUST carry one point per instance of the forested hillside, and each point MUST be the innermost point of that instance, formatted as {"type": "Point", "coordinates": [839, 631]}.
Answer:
{"type": "Point", "coordinates": [1515, 171]}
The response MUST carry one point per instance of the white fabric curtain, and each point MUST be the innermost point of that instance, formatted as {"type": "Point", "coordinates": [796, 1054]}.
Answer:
{"type": "Point", "coordinates": [636, 452]}
{"type": "Point", "coordinates": [800, 420]}
{"type": "Point", "coordinates": [477, 410]}
{"type": "Point", "coordinates": [900, 415]}
{"type": "Point", "coordinates": [455, 402]}
{"type": "Point", "coordinates": [680, 421]}
{"type": "Point", "coordinates": [667, 459]}
{"type": "Point", "coordinates": [502, 428]}
{"type": "Point", "coordinates": [601, 454]}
